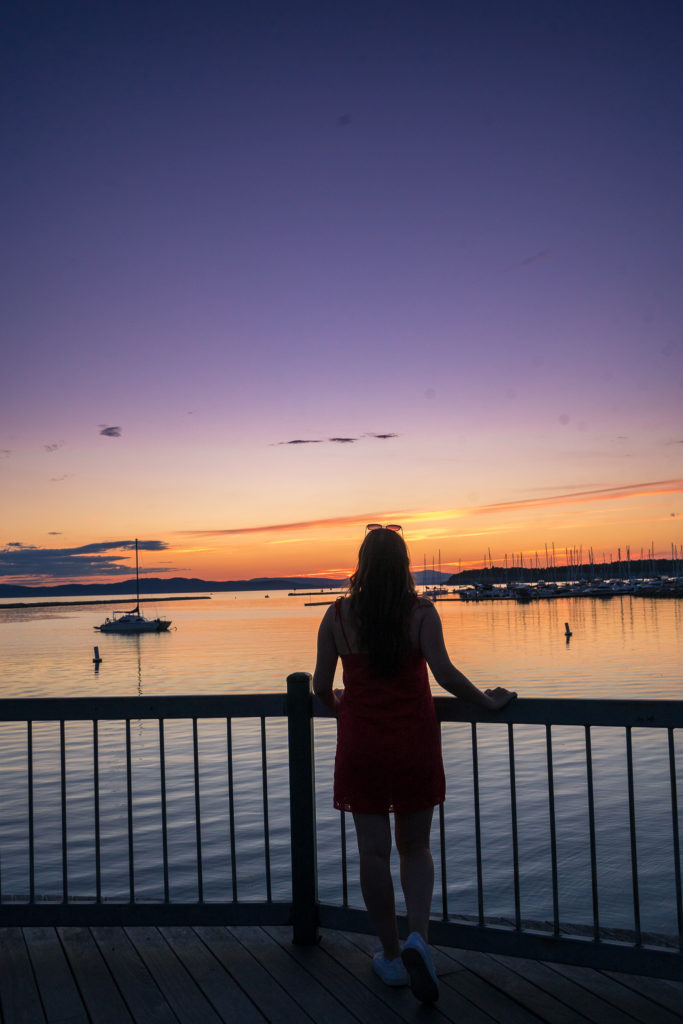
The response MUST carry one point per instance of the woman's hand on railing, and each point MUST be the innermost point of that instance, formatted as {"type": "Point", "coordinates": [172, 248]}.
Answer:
{"type": "Point", "coordinates": [498, 697]}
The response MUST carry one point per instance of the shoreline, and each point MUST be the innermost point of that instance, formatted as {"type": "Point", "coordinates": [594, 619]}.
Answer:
{"type": "Point", "coordinates": [116, 600]}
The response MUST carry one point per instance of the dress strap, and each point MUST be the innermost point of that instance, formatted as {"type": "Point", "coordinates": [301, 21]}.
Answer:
{"type": "Point", "coordinates": [340, 620]}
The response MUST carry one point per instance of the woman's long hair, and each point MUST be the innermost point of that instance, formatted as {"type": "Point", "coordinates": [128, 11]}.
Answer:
{"type": "Point", "coordinates": [382, 596]}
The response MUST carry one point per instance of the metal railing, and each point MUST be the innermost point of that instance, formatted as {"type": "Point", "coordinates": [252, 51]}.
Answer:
{"type": "Point", "coordinates": [592, 944]}
{"type": "Point", "coordinates": [631, 949]}
{"type": "Point", "coordinates": [132, 902]}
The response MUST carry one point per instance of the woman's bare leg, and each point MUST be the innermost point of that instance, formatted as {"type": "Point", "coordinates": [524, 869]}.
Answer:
{"type": "Point", "coordinates": [374, 846]}
{"type": "Point", "coordinates": [417, 867]}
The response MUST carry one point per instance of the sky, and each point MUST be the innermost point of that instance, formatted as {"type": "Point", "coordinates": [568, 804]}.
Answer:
{"type": "Point", "coordinates": [271, 271]}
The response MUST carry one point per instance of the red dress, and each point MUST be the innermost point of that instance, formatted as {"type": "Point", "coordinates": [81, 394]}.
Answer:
{"type": "Point", "coordinates": [388, 744]}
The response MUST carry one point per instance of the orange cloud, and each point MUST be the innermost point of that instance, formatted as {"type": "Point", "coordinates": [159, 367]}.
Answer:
{"type": "Point", "coordinates": [578, 497]}
{"type": "Point", "coordinates": [639, 490]}
{"type": "Point", "coordinates": [354, 520]}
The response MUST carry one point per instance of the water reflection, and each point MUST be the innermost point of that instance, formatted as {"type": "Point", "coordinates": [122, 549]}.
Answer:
{"type": "Point", "coordinates": [625, 647]}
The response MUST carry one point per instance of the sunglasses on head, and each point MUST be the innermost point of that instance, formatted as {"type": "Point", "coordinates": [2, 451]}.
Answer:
{"type": "Point", "coordinates": [390, 526]}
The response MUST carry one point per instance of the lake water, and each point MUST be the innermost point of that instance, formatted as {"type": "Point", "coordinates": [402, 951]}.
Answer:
{"type": "Point", "coordinates": [247, 643]}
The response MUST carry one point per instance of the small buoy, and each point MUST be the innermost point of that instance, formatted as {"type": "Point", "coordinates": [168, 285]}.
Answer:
{"type": "Point", "coordinates": [567, 630]}
{"type": "Point", "coordinates": [97, 659]}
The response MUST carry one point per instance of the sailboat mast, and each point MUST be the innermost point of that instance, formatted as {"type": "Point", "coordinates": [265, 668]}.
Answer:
{"type": "Point", "coordinates": [137, 579]}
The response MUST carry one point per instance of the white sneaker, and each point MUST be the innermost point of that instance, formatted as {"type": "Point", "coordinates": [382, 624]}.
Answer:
{"type": "Point", "coordinates": [424, 983]}
{"type": "Point", "coordinates": [392, 972]}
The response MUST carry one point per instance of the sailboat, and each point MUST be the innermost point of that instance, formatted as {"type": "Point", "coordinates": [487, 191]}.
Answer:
{"type": "Point", "coordinates": [133, 621]}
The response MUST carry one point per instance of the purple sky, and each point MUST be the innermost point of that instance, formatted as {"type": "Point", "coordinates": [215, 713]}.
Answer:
{"type": "Point", "coordinates": [231, 225]}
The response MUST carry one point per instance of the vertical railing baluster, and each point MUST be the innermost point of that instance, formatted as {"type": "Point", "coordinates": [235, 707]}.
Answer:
{"type": "Point", "coordinates": [197, 812]}
{"type": "Point", "coordinates": [31, 822]}
{"type": "Point", "coordinates": [129, 794]}
{"type": "Point", "coordinates": [442, 849]}
{"type": "Point", "coordinates": [515, 837]}
{"type": "Point", "coordinates": [231, 813]}
{"type": "Point", "coordinates": [553, 834]}
{"type": "Point", "coordinates": [591, 827]}
{"type": "Point", "coordinates": [302, 809]}
{"type": "Point", "coordinates": [266, 826]}
{"type": "Point", "coordinates": [164, 813]}
{"type": "Point", "coordinates": [477, 825]}
{"type": "Point", "coordinates": [632, 827]}
{"type": "Point", "coordinates": [345, 879]}
{"type": "Point", "coordinates": [62, 763]}
{"type": "Point", "coordinates": [96, 795]}
{"type": "Point", "coordinates": [677, 845]}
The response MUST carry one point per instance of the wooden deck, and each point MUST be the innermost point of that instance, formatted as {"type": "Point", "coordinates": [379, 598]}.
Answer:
{"type": "Point", "coordinates": [205, 975]}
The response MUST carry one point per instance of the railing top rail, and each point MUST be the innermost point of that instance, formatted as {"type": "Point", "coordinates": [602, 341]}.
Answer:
{"type": "Point", "coordinates": [523, 711]}
{"type": "Point", "coordinates": [49, 709]}
{"type": "Point", "coordinates": [651, 714]}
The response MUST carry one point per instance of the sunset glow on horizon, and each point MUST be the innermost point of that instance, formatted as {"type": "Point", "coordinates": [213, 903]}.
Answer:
{"type": "Point", "coordinates": [453, 539]}
{"type": "Point", "coordinates": [271, 273]}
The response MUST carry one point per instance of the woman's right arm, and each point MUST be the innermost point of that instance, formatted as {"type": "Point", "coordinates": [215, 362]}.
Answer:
{"type": "Point", "coordinates": [446, 674]}
{"type": "Point", "coordinates": [326, 662]}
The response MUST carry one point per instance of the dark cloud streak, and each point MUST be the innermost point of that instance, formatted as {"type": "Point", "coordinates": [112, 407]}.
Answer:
{"type": "Point", "coordinates": [334, 440]}
{"type": "Point", "coordinates": [20, 562]}
{"type": "Point", "coordinates": [542, 254]}
{"type": "Point", "coordinates": [299, 441]}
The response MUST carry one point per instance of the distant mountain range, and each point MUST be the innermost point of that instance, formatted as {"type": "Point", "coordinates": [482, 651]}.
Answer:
{"type": "Point", "coordinates": [428, 577]}
{"type": "Point", "coordinates": [177, 585]}
{"type": "Point", "coordinates": [182, 585]}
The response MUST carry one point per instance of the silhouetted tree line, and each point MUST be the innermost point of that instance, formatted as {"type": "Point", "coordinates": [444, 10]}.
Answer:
{"type": "Point", "coordinates": [646, 568]}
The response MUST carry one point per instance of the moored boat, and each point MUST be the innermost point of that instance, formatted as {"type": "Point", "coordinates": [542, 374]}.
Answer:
{"type": "Point", "coordinates": [133, 621]}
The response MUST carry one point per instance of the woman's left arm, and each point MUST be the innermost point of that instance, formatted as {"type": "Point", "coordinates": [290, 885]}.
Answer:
{"type": "Point", "coordinates": [326, 662]}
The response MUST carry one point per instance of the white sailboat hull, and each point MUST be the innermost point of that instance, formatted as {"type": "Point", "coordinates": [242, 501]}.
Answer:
{"type": "Point", "coordinates": [132, 623]}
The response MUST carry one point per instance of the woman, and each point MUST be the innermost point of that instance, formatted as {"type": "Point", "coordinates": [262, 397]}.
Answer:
{"type": "Point", "coordinates": [388, 748]}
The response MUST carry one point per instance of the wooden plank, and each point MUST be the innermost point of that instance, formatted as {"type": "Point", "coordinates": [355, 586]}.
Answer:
{"type": "Point", "coordinates": [536, 1000]}
{"type": "Point", "coordinates": [618, 994]}
{"type": "Point", "coordinates": [270, 998]}
{"type": "Point", "coordinates": [592, 1007]}
{"type": "Point", "coordinates": [487, 997]}
{"type": "Point", "coordinates": [97, 987]}
{"type": "Point", "coordinates": [219, 987]}
{"type": "Point", "coordinates": [303, 987]}
{"type": "Point", "coordinates": [182, 995]}
{"type": "Point", "coordinates": [58, 991]}
{"type": "Point", "coordinates": [452, 1005]}
{"type": "Point", "coordinates": [143, 996]}
{"type": "Point", "coordinates": [490, 1000]}
{"type": "Point", "coordinates": [19, 999]}
{"type": "Point", "coordinates": [666, 993]}
{"type": "Point", "coordinates": [357, 960]}
{"type": "Point", "coordinates": [333, 973]}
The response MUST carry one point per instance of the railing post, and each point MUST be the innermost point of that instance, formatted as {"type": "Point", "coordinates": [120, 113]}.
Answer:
{"type": "Point", "coordinates": [302, 809]}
